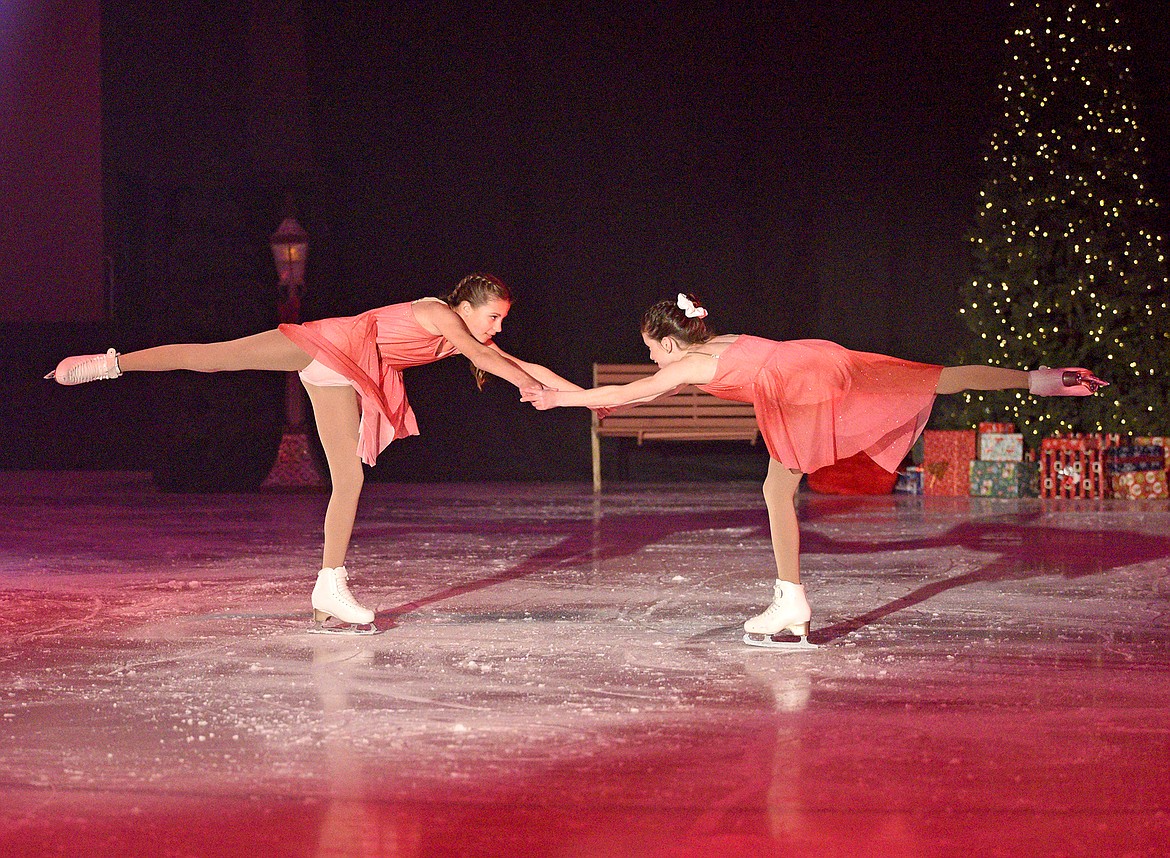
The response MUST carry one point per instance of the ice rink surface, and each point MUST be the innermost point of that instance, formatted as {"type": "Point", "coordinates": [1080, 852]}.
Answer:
{"type": "Point", "coordinates": [563, 675]}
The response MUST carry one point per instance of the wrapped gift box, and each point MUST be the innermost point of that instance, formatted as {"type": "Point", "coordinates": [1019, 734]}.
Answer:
{"type": "Point", "coordinates": [1082, 441]}
{"type": "Point", "coordinates": [1127, 458]}
{"type": "Point", "coordinates": [918, 451]}
{"type": "Point", "coordinates": [1155, 441]}
{"type": "Point", "coordinates": [999, 479]}
{"type": "Point", "coordinates": [1137, 469]}
{"type": "Point", "coordinates": [1001, 446]}
{"type": "Point", "coordinates": [996, 428]}
{"type": "Point", "coordinates": [1070, 467]}
{"type": "Point", "coordinates": [946, 461]}
{"type": "Point", "coordinates": [1138, 485]}
{"type": "Point", "coordinates": [910, 481]}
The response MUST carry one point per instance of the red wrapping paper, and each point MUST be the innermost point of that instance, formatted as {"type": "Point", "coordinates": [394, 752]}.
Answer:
{"type": "Point", "coordinates": [946, 463]}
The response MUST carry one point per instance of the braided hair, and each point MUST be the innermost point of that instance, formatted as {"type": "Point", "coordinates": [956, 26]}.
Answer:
{"type": "Point", "coordinates": [477, 289]}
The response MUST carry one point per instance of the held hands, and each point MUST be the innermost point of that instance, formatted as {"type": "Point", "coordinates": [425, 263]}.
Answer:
{"type": "Point", "coordinates": [541, 397]}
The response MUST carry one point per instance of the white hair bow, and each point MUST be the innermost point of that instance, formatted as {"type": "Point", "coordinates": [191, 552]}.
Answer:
{"type": "Point", "coordinates": [690, 308]}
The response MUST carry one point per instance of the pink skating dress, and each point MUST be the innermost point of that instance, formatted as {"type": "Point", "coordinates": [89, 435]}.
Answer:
{"type": "Point", "coordinates": [371, 351]}
{"type": "Point", "coordinates": [817, 402]}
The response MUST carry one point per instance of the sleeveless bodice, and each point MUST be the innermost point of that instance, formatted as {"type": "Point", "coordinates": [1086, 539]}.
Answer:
{"type": "Point", "coordinates": [371, 350]}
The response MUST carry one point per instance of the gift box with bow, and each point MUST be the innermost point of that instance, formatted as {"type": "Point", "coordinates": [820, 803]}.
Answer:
{"type": "Point", "coordinates": [996, 428]}
{"type": "Point", "coordinates": [1155, 441]}
{"type": "Point", "coordinates": [946, 461]}
{"type": "Point", "coordinates": [1070, 467]}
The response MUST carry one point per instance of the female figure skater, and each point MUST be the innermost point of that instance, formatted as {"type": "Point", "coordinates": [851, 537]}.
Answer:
{"type": "Point", "coordinates": [352, 370]}
{"type": "Point", "coordinates": [816, 402]}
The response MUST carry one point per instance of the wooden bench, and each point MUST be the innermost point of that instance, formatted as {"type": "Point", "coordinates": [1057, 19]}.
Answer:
{"type": "Point", "coordinates": [689, 415]}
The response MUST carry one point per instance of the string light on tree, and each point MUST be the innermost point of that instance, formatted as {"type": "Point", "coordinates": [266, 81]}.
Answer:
{"type": "Point", "coordinates": [1066, 269]}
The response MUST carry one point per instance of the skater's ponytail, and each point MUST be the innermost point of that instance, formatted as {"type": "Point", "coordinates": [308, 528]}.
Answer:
{"type": "Point", "coordinates": [682, 318]}
{"type": "Point", "coordinates": [477, 289]}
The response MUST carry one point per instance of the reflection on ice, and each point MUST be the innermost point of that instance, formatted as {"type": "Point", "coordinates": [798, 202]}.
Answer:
{"type": "Point", "coordinates": [558, 667]}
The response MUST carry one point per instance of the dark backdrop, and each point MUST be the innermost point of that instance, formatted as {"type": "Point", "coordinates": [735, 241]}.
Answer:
{"type": "Point", "coordinates": [807, 169]}
{"type": "Point", "coordinates": [51, 259]}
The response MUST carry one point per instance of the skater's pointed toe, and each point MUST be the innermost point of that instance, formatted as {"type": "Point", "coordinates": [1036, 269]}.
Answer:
{"type": "Point", "coordinates": [1065, 381]}
{"type": "Point", "coordinates": [1082, 378]}
{"type": "Point", "coordinates": [83, 368]}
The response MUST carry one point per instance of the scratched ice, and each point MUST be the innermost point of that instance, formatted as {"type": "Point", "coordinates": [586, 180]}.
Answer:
{"type": "Point", "coordinates": [561, 674]}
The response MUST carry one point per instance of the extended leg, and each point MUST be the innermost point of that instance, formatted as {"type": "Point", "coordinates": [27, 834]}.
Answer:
{"type": "Point", "coordinates": [270, 350]}
{"type": "Point", "coordinates": [976, 377]}
{"type": "Point", "coordinates": [338, 417]}
{"type": "Point", "coordinates": [1066, 381]}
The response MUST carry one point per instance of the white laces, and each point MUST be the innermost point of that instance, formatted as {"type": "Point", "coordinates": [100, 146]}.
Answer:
{"type": "Point", "coordinates": [96, 368]}
{"type": "Point", "coordinates": [343, 593]}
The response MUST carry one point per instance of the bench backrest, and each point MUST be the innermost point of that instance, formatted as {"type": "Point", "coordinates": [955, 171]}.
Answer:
{"type": "Point", "coordinates": [690, 403]}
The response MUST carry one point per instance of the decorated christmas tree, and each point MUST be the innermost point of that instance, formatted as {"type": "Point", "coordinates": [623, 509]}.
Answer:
{"type": "Point", "coordinates": [1067, 268]}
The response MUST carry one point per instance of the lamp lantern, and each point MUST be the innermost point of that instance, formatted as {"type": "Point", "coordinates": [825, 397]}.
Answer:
{"type": "Point", "coordinates": [290, 252]}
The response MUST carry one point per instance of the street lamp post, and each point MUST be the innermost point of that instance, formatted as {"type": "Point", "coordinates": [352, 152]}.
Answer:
{"type": "Point", "coordinates": [295, 466]}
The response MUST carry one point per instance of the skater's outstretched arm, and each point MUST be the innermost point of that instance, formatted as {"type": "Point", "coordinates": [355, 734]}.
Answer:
{"type": "Point", "coordinates": [445, 321]}
{"type": "Point", "coordinates": [541, 373]}
{"type": "Point", "coordinates": [690, 370]}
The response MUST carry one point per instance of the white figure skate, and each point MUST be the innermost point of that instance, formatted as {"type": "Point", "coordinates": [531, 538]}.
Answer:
{"type": "Point", "coordinates": [333, 601]}
{"type": "Point", "coordinates": [83, 368]}
{"type": "Point", "coordinates": [789, 612]}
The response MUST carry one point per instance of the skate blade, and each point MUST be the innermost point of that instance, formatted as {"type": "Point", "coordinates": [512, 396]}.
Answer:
{"type": "Point", "coordinates": [348, 630]}
{"type": "Point", "coordinates": [769, 642]}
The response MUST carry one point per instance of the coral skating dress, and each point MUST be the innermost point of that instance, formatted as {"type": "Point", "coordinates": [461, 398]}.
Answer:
{"type": "Point", "coordinates": [371, 351]}
{"type": "Point", "coordinates": [817, 402]}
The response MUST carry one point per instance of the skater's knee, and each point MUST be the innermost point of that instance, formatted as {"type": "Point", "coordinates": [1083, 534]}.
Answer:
{"type": "Point", "coordinates": [781, 483]}
{"type": "Point", "coordinates": [347, 477]}
{"type": "Point", "coordinates": [354, 477]}
{"type": "Point", "coordinates": [771, 485]}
